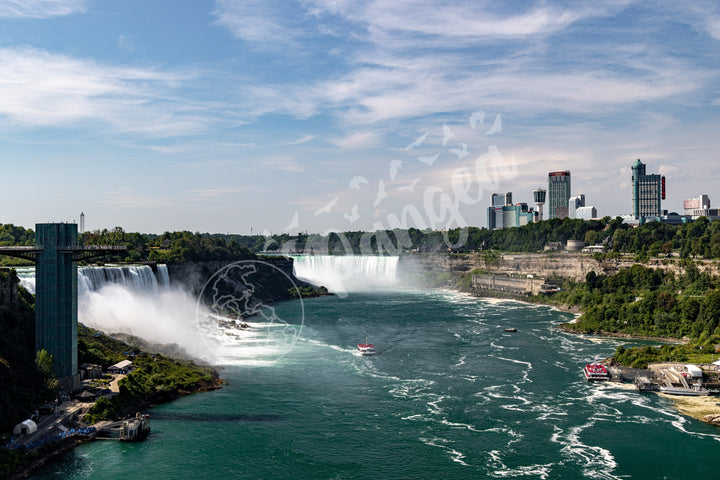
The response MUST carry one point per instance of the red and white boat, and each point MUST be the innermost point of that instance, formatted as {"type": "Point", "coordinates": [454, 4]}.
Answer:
{"type": "Point", "coordinates": [596, 372]}
{"type": "Point", "coordinates": [366, 348]}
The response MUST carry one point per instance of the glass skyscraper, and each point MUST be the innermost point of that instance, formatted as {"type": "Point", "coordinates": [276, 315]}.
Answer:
{"type": "Point", "coordinates": [558, 194]}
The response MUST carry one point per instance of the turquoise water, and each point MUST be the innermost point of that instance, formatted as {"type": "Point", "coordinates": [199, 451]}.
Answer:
{"type": "Point", "coordinates": [449, 395]}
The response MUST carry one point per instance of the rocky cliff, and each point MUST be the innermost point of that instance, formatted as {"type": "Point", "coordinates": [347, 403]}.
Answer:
{"type": "Point", "coordinates": [264, 280]}
{"type": "Point", "coordinates": [570, 265]}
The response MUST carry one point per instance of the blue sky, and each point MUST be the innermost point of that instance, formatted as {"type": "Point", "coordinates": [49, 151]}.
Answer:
{"type": "Point", "coordinates": [322, 115]}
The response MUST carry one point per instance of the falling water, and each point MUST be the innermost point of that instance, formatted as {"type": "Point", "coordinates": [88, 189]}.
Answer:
{"type": "Point", "coordinates": [348, 273]}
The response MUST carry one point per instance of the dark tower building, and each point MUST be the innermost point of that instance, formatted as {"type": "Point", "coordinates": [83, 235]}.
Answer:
{"type": "Point", "coordinates": [647, 192]}
{"type": "Point", "coordinates": [56, 295]}
{"type": "Point", "coordinates": [55, 254]}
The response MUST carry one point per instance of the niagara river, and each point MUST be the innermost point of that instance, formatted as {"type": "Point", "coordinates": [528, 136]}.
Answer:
{"type": "Point", "coordinates": [449, 394]}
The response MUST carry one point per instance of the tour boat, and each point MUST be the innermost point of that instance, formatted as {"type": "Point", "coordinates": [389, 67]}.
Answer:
{"type": "Point", "coordinates": [595, 372]}
{"type": "Point", "coordinates": [695, 391]}
{"type": "Point", "coordinates": [366, 348]}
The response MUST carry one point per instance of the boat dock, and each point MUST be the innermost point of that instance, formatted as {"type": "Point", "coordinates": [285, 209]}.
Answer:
{"type": "Point", "coordinates": [672, 378]}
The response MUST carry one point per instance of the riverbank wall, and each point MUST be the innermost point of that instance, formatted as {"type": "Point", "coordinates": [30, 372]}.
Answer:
{"type": "Point", "coordinates": [523, 274]}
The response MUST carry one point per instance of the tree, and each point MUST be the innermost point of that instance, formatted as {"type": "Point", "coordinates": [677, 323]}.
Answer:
{"type": "Point", "coordinates": [46, 364]}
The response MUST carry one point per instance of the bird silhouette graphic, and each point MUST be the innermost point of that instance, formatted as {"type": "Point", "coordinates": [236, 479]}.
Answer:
{"type": "Point", "coordinates": [447, 134]}
{"type": "Point", "coordinates": [476, 117]}
{"type": "Point", "coordinates": [381, 195]}
{"type": "Point", "coordinates": [293, 223]}
{"type": "Point", "coordinates": [410, 187]}
{"type": "Point", "coordinates": [429, 160]}
{"type": "Point", "coordinates": [418, 141]}
{"type": "Point", "coordinates": [497, 126]}
{"type": "Point", "coordinates": [356, 182]}
{"type": "Point", "coordinates": [353, 215]}
{"type": "Point", "coordinates": [460, 152]}
{"type": "Point", "coordinates": [327, 208]}
{"type": "Point", "coordinates": [394, 167]}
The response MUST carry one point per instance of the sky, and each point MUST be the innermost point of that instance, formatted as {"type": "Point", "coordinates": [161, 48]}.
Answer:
{"type": "Point", "coordinates": [336, 115]}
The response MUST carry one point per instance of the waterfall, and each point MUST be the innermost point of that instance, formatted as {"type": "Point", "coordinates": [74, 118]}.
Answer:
{"type": "Point", "coordinates": [347, 273]}
{"type": "Point", "coordinates": [139, 278]}
{"type": "Point", "coordinates": [26, 275]}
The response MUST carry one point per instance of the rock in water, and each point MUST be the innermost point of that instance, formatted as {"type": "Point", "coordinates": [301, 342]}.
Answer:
{"type": "Point", "coordinates": [712, 419]}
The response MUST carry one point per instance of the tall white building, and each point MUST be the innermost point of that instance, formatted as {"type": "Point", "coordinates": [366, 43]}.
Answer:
{"type": "Point", "coordinates": [574, 203]}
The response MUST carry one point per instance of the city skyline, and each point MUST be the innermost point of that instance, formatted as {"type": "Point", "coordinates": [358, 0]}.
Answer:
{"type": "Point", "coordinates": [269, 117]}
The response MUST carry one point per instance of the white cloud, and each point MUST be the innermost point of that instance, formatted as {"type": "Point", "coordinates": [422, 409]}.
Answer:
{"type": "Point", "coordinates": [456, 19]}
{"type": "Point", "coordinates": [301, 140]}
{"type": "Point", "coordinates": [411, 58]}
{"type": "Point", "coordinates": [39, 88]}
{"type": "Point", "coordinates": [284, 164]}
{"type": "Point", "coordinates": [262, 22]}
{"type": "Point", "coordinates": [358, 140]}
{"type": "Point", "coordinates": [40, 8]}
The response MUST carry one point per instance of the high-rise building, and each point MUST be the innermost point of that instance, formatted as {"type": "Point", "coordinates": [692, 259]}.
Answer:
{"type": "Point", "coordinates": [574, 203]}
{"type": "Point", "coordinates": [558, 194]}
{"type": "Point", "coordinates": [647, 192]}
{"type": "Point", "coordinates": [503, 214]}
{"type": "Point", "coordinates": [495, 210]}
{"type": "Point", "coordinates": [501, 199]}
{"type": "Point", "coordinates": [517, 215]}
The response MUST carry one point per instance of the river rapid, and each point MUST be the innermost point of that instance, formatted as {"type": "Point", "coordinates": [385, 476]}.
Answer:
{"type": "Point", "coordinates": [449, 394]}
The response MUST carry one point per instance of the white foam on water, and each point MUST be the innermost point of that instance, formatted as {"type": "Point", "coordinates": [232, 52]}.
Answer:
{"type": "Point", "coordinates": [438, 442]}
{"type": "Point", "coordinates": [597, 462]}
{"type": "Point", "coordinates": [499, 469]}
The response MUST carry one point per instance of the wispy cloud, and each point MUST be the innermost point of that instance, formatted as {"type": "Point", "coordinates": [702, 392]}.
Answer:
{"type": "Point", "coordinates": [284, 164]}
{"type": "Point", "coordinates": [40, 8]}
{"type": "Point", "coordinates": [301, 140]}
{"type": "Point", "coordinates": [358, 140]}
{"type": "Point", "coordinates": [39, 88]}
{"type": "Point", "coordinates": [411, 58]}
{"type": "Point", "coordinates": [221, 191]}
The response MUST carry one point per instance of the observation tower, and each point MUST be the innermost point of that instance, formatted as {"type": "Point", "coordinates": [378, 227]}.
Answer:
{"type": "Point", "coordinates": [56, 253]}
{"type": "Point", "coordinates": [539, 197]}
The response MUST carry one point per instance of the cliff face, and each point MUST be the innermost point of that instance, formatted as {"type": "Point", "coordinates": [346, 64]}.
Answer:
{"type": "Point", "coordinates": [574, 266]}
{"type": "Point", "coordinates": [265, 283]}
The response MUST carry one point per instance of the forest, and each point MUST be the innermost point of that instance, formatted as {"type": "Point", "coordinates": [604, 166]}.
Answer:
{"type": "Point", "coordinates": [699, 239]}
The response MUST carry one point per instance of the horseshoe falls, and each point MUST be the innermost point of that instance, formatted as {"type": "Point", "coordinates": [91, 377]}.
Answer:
{"type": "Point", "coordinates": [347, 273]}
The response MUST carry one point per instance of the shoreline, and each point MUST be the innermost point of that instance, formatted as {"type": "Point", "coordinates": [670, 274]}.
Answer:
{"type": "Point", "coordinates": [703, 408]}
{"type": "Point", "coordinates": [61, 447]}
{"type": "Point", "coordinates": [628, 336]}
{"type": "Point", "coordinates": [575, 310]}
